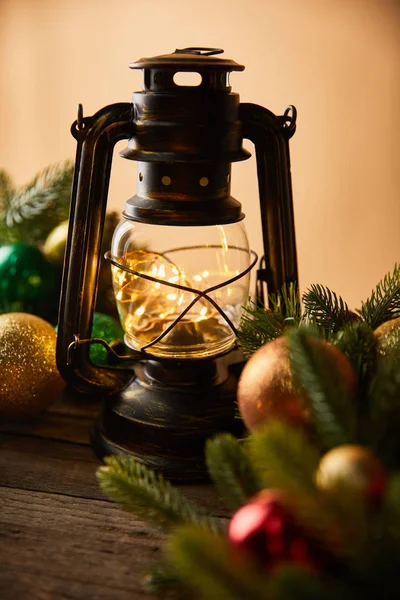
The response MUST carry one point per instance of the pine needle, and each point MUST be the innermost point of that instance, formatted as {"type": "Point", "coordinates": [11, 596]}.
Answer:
{"type": "Point", "coordinates": [325, 308]}
{"type": "Point", "coordinates": [283, 458]}
{"type": "Point", "coordinates": [147, 494]}
{"type": "Point", "coordinates": [383, 405]}
{"type": "Point", "coordinates": [230, 468]}
{"type": "Point", "coordinates": [258, 326]}
{"type": "Point", "coordinates": [30, 213]}
{"type": "Point", "coordinates": [6, 188]}
{"type": "Point", "coordinates": [332, 410]}
{"type": "Point", "coordinates": [291, 582]}
{"type": "Point", "coordinates": [384, 302]}
{"type": "Point", "coordinates": [286, 303]}
{"type": "Point", "coordinates": [160, 579]}
{"type": "Point", "coordinates": [358, 343]}
{"type": "Point", "coordinates": [208, 565]}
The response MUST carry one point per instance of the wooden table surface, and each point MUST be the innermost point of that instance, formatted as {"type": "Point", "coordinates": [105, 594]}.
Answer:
{"type": "Point", "coordinates": [59, 535]}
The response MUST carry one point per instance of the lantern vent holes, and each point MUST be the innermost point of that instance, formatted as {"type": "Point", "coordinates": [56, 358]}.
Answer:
{"type": "Point", "coordinates": [140, 176]}
{"type": "Point", "coordinates": [203, 181]}
{"type": "Point", "coordinates": [187, 78]}
{"type": "Point", "coordinates": [166, 180]}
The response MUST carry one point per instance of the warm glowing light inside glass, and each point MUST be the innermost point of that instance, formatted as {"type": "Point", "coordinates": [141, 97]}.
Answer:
{"type": "Point", "coordinates": [147, 308]}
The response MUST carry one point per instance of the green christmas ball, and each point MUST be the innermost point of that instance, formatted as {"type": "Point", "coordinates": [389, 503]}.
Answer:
{"type": "Point", "coordinates": [108, 329]}
{"type": "Point", "coordinates": [28, 282]}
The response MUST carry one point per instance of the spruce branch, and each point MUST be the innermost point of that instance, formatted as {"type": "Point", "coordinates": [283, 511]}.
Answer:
{"type": "Point", "coordinates": [286, 304]}
{"type": "Point", "coordinates": [258, 326]}
{"type": "Point", "coordinates": [6, 188]}
{"type": "Point", "coordinates": [331, 407]}
{"type": "Point", "coordinates": [382, 400]}
{"type": "Point", "coordinates": [208, 565]}
{"type": "Point", "coordinates": [30, 213]}
{"type": "Point", "coordinates": [283, 458]}
{"type": "Point", "coordinates": [231, 470]}
{"type": "Point", "coordinates": [384, 301]}
{"type": "Point", "coordinates": [162, 579]}
{"type": "Point", "coordinates": [326, 309]}
{"type": "Point", "coordinates": [390, 513]}
{"type": "Point", "coordinates": [291, 582]}
{"type": "Point", "coordinates": [358, 342]}
{"type": "Point", "coordinates": [147, 494]}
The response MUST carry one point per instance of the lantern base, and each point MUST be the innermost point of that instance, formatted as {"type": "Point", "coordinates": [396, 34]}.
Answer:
{"type": "Point", "coordinates": [164, 417]}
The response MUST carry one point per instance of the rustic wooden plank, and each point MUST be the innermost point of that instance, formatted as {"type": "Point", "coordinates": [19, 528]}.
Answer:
{"type": "Point", "coordinates": [62, 547]}
{"type": "Point", "coordinates": [73, 403]}
{"type": "Point", "coordinates": [50, 466]}
{"type": "Point", "coordinates": [70, 469]}
{"type": "Point", "coordinates": [53, 426]}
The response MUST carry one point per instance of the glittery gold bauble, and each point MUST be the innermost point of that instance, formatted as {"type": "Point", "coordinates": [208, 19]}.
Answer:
{"type": "Point", "coordinates": [354, 466]}
{"type": "Point", "coordinates": [29, 379]}
{"type": "Point", "coordinates": [388, 339]}
{"type": "Point", "coordinates": [268, 390]}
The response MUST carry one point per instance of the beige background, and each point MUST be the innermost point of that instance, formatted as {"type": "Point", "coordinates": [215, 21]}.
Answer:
{"type": "Point", "coordinates": [338, 61]}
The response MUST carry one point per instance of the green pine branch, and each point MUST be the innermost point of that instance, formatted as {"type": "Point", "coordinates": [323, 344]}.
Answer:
{"type": "Point", "coordinates": [30, 213]}
{"type": "Point", "coordinates": [382, 403]}
{"type": "Point", "coordinates": [384, 302]}
{"type": "Point", "coordinates": [161, 579]}
{"type": "Point", "coordinates": [286, 304]}
{"type": "Point", "coordinates": [358, 342]}
{"type": "Point", "coordinates": [208, 565]}
{"type": "Point", "coordinates": [258, 326]}
{"type": "Point", "coordinates": [331, 407]}
{"type": "Point", "coordinates": [231, 470]}
{"type": "Point", "coordinates": [291, 582]}
{"type": "Point", "coordinates": [326, 309]}
{"type": "Point", "coordinates": [6, 188]}
{"type": "Point", "coordinates": [283, 458]}
{"type": "Point", "coordinates": [147, 494]}
{"type": "Point", "coordinates": [375, 565]}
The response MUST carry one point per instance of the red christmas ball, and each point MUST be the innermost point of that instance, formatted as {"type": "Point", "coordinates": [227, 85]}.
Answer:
{"type": "Point", "coordinates": [265, 530]}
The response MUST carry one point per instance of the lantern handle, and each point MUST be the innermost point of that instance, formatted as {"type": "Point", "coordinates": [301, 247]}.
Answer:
{"type": "Point", "coordinates": [96, 137]}
{"type": "Point", "coordinates": [270, 135]}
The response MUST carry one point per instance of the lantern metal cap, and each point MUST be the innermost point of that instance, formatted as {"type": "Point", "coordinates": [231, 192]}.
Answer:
{"type": "Point", "coordinates": [188, 59]}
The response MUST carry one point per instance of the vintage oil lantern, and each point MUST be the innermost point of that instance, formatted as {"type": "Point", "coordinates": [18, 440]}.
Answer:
{"type": "Point", "coordinates": [180, 257]}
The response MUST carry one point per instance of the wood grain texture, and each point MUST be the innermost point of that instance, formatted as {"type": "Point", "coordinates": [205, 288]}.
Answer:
{"type": "Point", "coordinates": [60, 537]}
{"type": "Point", "coordinates": [55, 546]}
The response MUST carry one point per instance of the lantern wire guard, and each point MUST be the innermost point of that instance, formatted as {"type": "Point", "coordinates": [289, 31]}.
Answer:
{"type": "Point", "coordinates": [198, 293]}
{"type": "Point", "coordinates": [161, 410]}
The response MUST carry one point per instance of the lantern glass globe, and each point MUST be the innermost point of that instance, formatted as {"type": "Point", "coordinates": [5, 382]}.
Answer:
{"type": "Point", "coordinates": [170, 281]}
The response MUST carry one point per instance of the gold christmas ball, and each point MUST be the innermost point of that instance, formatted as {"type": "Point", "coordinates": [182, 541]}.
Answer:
{"type": "Point", "coordinates": [388, 339]}
{"type": "Point", "coordinates": [355, 466]}
{"type": "Point", "coordinates": [267, 388]}
{"type": "Point", "coordinates": [29, 379]}
{"type": "Point", "coordinates": [55, 244]}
